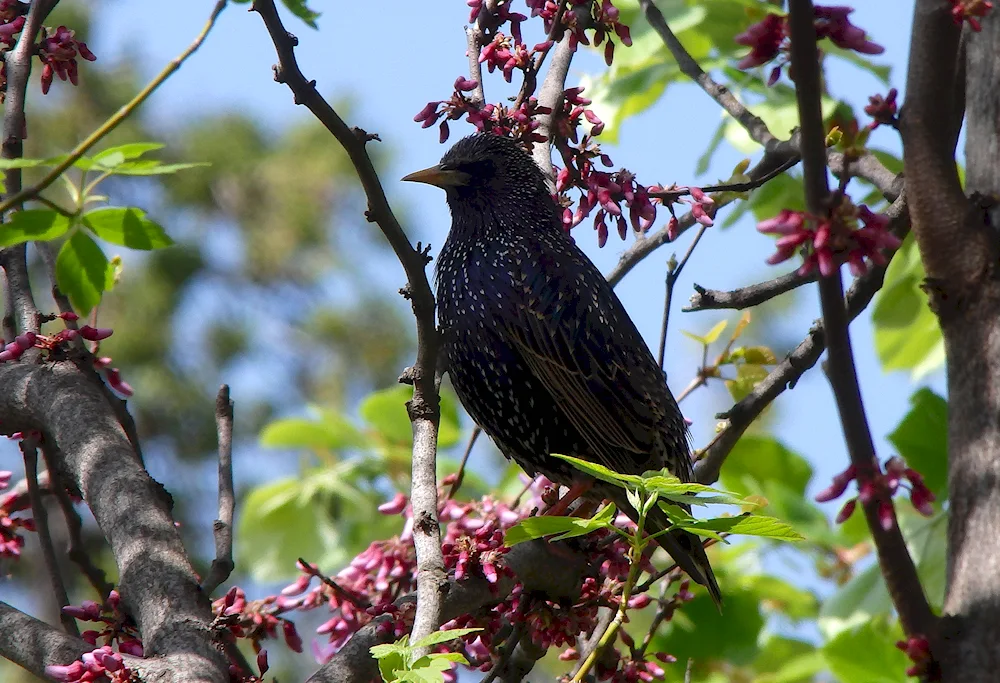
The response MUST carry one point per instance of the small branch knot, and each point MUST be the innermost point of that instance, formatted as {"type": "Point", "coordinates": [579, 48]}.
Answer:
{"type": "Point", "coordinates": [364, 136]}
{"type": "Point", "coordinates": [406, 292]}
{"type": "Point", "coordinates": [408, 375]}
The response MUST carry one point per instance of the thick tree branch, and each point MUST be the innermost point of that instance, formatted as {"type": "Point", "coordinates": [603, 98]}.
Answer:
{"type": "Point", "coordinates": [157, 582]}
{"type": "Point", "coordinates": [33, 644]}
{"type": "Point", "coordinates": [952, 252]}
{"type": "Point", "coordinates": [222, 528]}
{"type": "Point", "coordinates": [423, 408]}
{"type": "Point", "coordinates": [894, 558]}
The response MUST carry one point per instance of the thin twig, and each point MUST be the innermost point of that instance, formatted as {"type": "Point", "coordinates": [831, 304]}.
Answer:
{"type": "Point", "coordinates": [745, 297]}
{"type": "Point", "coordinates": [550, 95]}
{"type": "Point", "coordinates": [460, 475]}
{"type": "Point", "coordinates": [898, 569]}
{"type": "Point", "coordinates": [356, 600]}
{"type": "Point", "coordinates": [674, 269]}
{"type": "Point", "coordinates": [222, 528]}
{"type": "Point", "coordinates": [115, 120]}
{"type": "Point", "coordinates": [474, 36]}
{"type": "Point", "coordinates": [789, 370]}
{"type": "Point", "coordinates": [76, 550]}
{"type": "Point", "coordinates": [756, 128]}
{"type": "Point", "coordinates": [29, 449]}
{"type": "Point", "coordinates": [423, 409]}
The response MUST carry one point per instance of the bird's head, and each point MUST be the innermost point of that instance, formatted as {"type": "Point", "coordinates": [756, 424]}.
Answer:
{"type": "Point", "coordinates": [483, 169]}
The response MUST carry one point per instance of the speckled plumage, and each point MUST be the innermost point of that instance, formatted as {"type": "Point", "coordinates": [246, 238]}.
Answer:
{"type": "Point", "coordinates": [539, 349]}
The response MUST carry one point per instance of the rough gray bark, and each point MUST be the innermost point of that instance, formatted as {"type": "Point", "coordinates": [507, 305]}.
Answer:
{"type": "Point", "coordinates": [971, 629]}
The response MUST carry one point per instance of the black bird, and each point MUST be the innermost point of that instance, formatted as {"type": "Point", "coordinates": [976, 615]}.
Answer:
{"type": "Point", "coordinates": [539, 349]}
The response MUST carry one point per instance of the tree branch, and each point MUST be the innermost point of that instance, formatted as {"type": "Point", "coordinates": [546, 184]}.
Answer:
{"type": "Point", "coordinates": [157, 582]}
{"type": "Point", "coordinates": [894, 558]}
{"type": "Point", "coordinates": [532, 564]}
{"type": "Point", "coordinates": [745, 297]}
{"type": "Point", "coordinates": [753, 124]}
{"type": "Point", "coordinates": [787, 372]}
{"type": "Point", "coordinates": [33, 644]}
{"type": "Point", "coordinates": [113, 122]}
{"type": "Point", "coordinates": [222, 529]}
{"type": "Point", "coordinates": [952, 252]}
{"type": "Point", "coordinates": [550, 96]}
{"type": "Point", "coordinates": [29, 449]}
{"type": "Point", "coordinates": [424, 408]}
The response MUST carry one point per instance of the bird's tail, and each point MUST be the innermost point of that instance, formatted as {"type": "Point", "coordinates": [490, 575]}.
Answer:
{"type": "Point", "coordinates": [685, 548]}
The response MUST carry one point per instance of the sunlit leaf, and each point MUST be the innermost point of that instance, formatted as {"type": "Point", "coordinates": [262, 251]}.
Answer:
{"type": "Point", "coordinates": [82, 272]}
{"type": "Point", "coordinates": [33, 224]}
{"type": "Point", "coordinates": [922, 439]}
{"type": "Point", "coordinates": [128, 227]}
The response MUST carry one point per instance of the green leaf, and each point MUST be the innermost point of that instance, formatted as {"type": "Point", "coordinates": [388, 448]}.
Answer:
{"type": "Point", "coordinates": [82, 272]}
{"type": "Point", "coordinates": [6, 164]}
{"type": "Point", "coordinates": [450, 428]}
{"type": "Point", "coordinates": [907, 334]}
{"type": "Point", "coordinates": [391, 658]}
{"type": "Point", "coordinates": [747, 525]}
{"type": "Point", "coordinates": [755, 355]}
{"type": "Point", "coordinates": [332, 433]}
{"type": "Point", "coordinates": [126, 152]}
{"type": "Point", "coordinates": [776, 594]}
{"type": "Point", "coordinates": [148, 167]}
{"type": "Point", "coordinates": [531, 528]}
{"type": "Point", "coordinates": [867, 654]}
{"type": "Point", "coordinates": [717, 329]}
{"type": "Point", "coordinates": [128, 227]}
{"type": "Point", "coordinates": [439, 637]}
{"type": "Point", "coordinates": [701, 633]}
{"type": "Point", "coordinates": [748, 376]}
{"type": "Point", "coordinates": [33, 224]}
{"type": "Point", "coordinates": [385, 411]}
{"type": "Point", "coordinates": [764, 459]}
{"type": "Point", "coordinates": [922, 439]}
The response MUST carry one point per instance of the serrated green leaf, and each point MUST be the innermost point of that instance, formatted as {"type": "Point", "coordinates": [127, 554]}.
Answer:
{"type": "Point", "coordinates": [601, 472]}
{"type": "Point", "coordinates": [127, 227]}
{"type": "Point", "coordinates": [922, 439]}
{"type": "Point", "coordinates": [439, 637]}
{"type": "Point", "coordinates": [33, 224]}
{"type": "Point", "coordinates": [333, 433]}
{"type": "Point", "coordinates": [82, 272]}
{"type": "Point", "coordinates": [531, 528]}
{"type": "Point", "coordinates": [391, 658]}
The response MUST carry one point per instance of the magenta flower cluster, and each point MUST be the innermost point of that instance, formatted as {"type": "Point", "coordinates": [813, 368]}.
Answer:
{"type": "Point", "coordinates": [12, 524]}
{"type": "Point", "coordinates": [58, 344]}
{"type": "Point", "coordinates": [826, 243]}
{"type": "Point", "coordinates": [58, 51]}
{"type": "Point", "coordinates": [970, 11]}
{"type": "Point", "coordinates": [768, 38]}
{"type": "Point", "coordinates": [880, 487]}
{"type": "Point", "coordinates": [102, 665]}
{"type": "Point", "coordinates": [607, 196]}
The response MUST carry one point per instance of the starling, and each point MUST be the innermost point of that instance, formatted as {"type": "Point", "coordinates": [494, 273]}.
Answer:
{"type": "Point", "coordinates": [539, 349]}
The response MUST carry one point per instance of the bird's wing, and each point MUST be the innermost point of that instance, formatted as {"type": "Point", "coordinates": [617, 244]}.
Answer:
{"type": "Point", "coordinates": [587, 353]}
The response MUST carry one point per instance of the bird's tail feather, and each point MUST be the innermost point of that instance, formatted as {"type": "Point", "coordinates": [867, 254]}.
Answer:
{"type": "Point", "coordinates": [685, 548]}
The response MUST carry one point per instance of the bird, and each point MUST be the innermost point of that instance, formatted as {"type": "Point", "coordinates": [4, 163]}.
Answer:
{"type": "Point", "coordinates": [539, 349]}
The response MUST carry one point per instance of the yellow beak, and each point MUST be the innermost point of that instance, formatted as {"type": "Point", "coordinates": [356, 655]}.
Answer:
{"type": "Point", "coordinates": [435, 175]}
